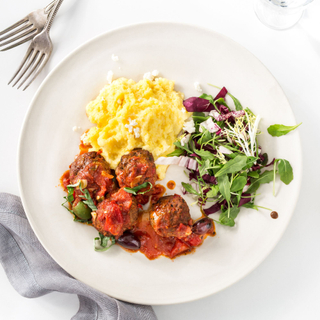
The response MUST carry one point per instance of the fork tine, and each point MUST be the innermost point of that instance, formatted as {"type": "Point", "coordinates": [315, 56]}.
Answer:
{"type": "Point", "coordinates": [16, 31]}
{"type": "Point", "coordinates": [43, 62]}
{"type": "Point", "coordinates": [26, 33]}
{"type": "Point", "coordinates": [22, 63]}
{"type": "Point", "coordinates": [49, 7]}
{"type": "Point", "coordinates": [18, 43]}
{"type": "Point", "coordinates": [33, 69]}
{"type": "Point", "coordinates": [14, 26]}
{"type": "Point", "coordinates": [26, 66]}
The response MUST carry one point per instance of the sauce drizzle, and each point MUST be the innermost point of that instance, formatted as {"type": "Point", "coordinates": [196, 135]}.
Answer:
{"type": "Point", "coordinates": [274, 215]}
{"type": "Point", "coordinates": [171, 184]}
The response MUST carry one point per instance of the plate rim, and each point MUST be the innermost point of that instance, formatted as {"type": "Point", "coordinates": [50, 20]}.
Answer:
{"type": "Point", "coordinates": [173, 24]}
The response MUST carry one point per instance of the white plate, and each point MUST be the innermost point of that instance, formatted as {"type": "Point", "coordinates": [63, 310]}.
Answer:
{"type": "Point", "coordinates": [48, 145]}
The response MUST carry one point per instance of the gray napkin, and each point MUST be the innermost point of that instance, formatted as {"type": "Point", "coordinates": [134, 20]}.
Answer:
{"type": "Point", "coordinates": [33, 273]}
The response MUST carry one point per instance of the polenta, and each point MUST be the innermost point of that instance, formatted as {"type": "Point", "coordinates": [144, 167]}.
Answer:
{"type": "Point", "coordinates": [128, 115]}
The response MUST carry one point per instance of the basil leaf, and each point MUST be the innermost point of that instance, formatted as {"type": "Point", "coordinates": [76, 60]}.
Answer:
{"type": "Point", "coordinates": [224, 186]}
{"type": "Point", "coordinates": [176, 153]}
{"type": "Point", "coordinates": [228, 216]}
{"type": "Point", "coordinates": [104, 243]}
{"type": "Point", "coordinates": [285, 171]}
{"type": "Point", "coordinates": [250, 205]}
{"type": "Point", "coordinates": [137, 188]}
{"type": "Point", "coordinates": [233, 165]}
{"type": "Point", "coordinates": [253, 174]}
{"type": "Point", "coordinates": [238, 184]}
{"type": "Point", "coordinates": [278, 130]}
{"type": "Point", "coordinates": [204, 154]}
{"type": "Point", "coordinates": [189, 188]}
{"type": "Point", "coordinates": [265, 177]}
{"type": "Point", "coordinates": [70, 197]}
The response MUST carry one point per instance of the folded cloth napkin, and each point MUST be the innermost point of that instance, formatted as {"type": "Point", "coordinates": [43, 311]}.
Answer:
{"type": "Point", "coordinates": [33, 273]}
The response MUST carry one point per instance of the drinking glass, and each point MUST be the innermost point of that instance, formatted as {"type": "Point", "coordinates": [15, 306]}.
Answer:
{"type": "Point", "coordinates": [280, 14]}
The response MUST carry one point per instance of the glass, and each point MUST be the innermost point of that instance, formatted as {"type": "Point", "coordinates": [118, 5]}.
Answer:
{"type": "Point", "coordinates": [280, 15]}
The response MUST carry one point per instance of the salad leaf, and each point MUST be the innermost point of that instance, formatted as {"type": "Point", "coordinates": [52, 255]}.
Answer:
{"type": "Point", "coordinates": [265, 177]}
{"type": "Point", "coordinates": [189, 188]}
{"type": "Point", "coordinates": [137, 188]}
{"type": "Point", "coordinates": [238, 184]}
{"type": "Point", "coordinates": [197, 104]}
{"type": "Point", "coordinates": [250, 205]}
{"type": "Point", "coordinates": [278, 130]}
{"type": "Point", "coordinates": [285, 171]}
{"type": "Point", "coordinates": [224, 186]}
{"type": "Point", "coordinates": [178, 144]}
{"type": "Point", "coordinates": [102, 244]}
{"type": "Point", "coordinates": [213, 191]}
{"type": "Point", "coordinates": [205, 155]}
{"type": "Point", "coordinates": [228, 216]}
{"type": "Point", "coordinates": [250, 162]}
{"type": "Point", "coordinates": [207, 97]}
{"type": "Point", "coordinates": [236, 102]}
{"type": "Point", "coordinates": [253, 174]}
{"type": "Point", "coordinates": [233, 165]}
{"type": "Point", "coordinates": [176, 153]}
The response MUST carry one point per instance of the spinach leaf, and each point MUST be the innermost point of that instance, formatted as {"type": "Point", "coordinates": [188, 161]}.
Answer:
{"type": "Point", "coordinates": [285, 171]}
{"type": "Point", "coordinates": [236, 102]}
{"type": "Point", "coordinates": [253, 174]}
{"type": "Point", "coordinates": [213, 191]}
{"type": "Point", "coordinates": [204, 154]}
{"type": "Point", "coordinates": [233, 165]}
{"type": "Point", "coordinates": [250, 162]}
{"type": "Point", "coordinates": [278, 130]}
{"type": "Point", "coordinates": [104, 243]}
{"type": "Point", "coordinates": [189, 188]}
{"type": "Point", "coordinates": [250, 205]}
{"type": "Point", "coordinates": [224, 186]}
{"type": "Point", "coordinates": [207, 97]}
{"type": "Point", "coordinates": [228, 216]}
{"type": "Point", "coordinates": [238, 183]}
{"type": "Point", "coordinates": [137, 188]}
{"type": "Point", "coordinates": [176, 153]}
{"type": "Point", "coordinates": [178, 144]}
{"type": "Point", "coordinates": [265, 177]}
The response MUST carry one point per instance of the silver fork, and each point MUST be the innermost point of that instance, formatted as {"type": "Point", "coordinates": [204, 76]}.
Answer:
{"type": "Point", "coordinates": [25, 29]}
{"type": "Point", "coordinates": [38, 53]}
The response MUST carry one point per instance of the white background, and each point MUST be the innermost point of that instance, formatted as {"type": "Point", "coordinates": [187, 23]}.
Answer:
{"type": "Point", "coordinates": [286, 285]}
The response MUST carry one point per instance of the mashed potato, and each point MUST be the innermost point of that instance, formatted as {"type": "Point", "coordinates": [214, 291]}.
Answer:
{"type": "Point", "coordinates": [147, 114]}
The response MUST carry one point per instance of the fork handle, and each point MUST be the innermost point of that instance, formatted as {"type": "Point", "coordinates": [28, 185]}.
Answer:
{"type": "Point", "coordinates": [53, 14]}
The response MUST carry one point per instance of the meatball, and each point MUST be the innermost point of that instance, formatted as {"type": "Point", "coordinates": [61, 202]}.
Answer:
{"type": "Point", "coordinates": [116, 214]}
{"type": "Point", "coordinates": [170, 217]}
{"type": "Point", "coordinates": [136, 168]}
{"type": "Point", "coordinates": [96, 172]}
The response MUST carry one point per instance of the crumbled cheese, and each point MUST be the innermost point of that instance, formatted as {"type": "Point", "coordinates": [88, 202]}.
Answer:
{"type": "Point", "coordinates": [130, 126]}
{"type": "Point", "coordinates": [209, 125]}
{"type": "Point", "coordinates": [84, 138]}
{"type": "Point", "coordinates": [155, 73]}
{"type": "Point", "coordinates": [189, 126]}
{"type": "Point", "coordinates": [139, 99]}
{"type": "Point", "coordinates": [75, 128]}
{"type": "Point", "coordinates": [136, 132]}
{"type": "Point", "coordinates": [183, 110]}
{"type": "Point", "coordinates": [119, 101]}
{"type": "Point", "coordinates": [110, 76]}
{"type": "Point", "coordinates": [148, 76]}
{"type": "Point", "coordinates": [197, 86]}
{"type": "Point", "coordinates": [114, 57]}
{"type": "Point", "coordinates": [151, 75]}
{"type": "Point", "coordinates": [185, 139]}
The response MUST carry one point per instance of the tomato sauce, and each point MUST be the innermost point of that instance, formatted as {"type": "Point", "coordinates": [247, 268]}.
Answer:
{"type": "Point", "coordinates": [65, 180]}
{"type": "Point", "coordinates": [154, 246]}
{"type": "Point", "coordinates": [171, 184]}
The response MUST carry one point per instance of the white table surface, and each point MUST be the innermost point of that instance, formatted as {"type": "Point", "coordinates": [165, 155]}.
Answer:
{"type": "Point", "coordinates": [286, 285]}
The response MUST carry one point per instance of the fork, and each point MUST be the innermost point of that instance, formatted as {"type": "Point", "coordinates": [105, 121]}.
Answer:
{"type": "Point", "coordinates": [37, 54]}
{"type": "Point", "coordinates": [25, 29]}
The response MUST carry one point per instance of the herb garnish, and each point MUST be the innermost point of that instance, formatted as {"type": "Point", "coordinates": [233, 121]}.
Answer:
{"type": "Point", "coordinates": [103, 243]}
{"type": "Point", "coordinates": [137, 188]}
